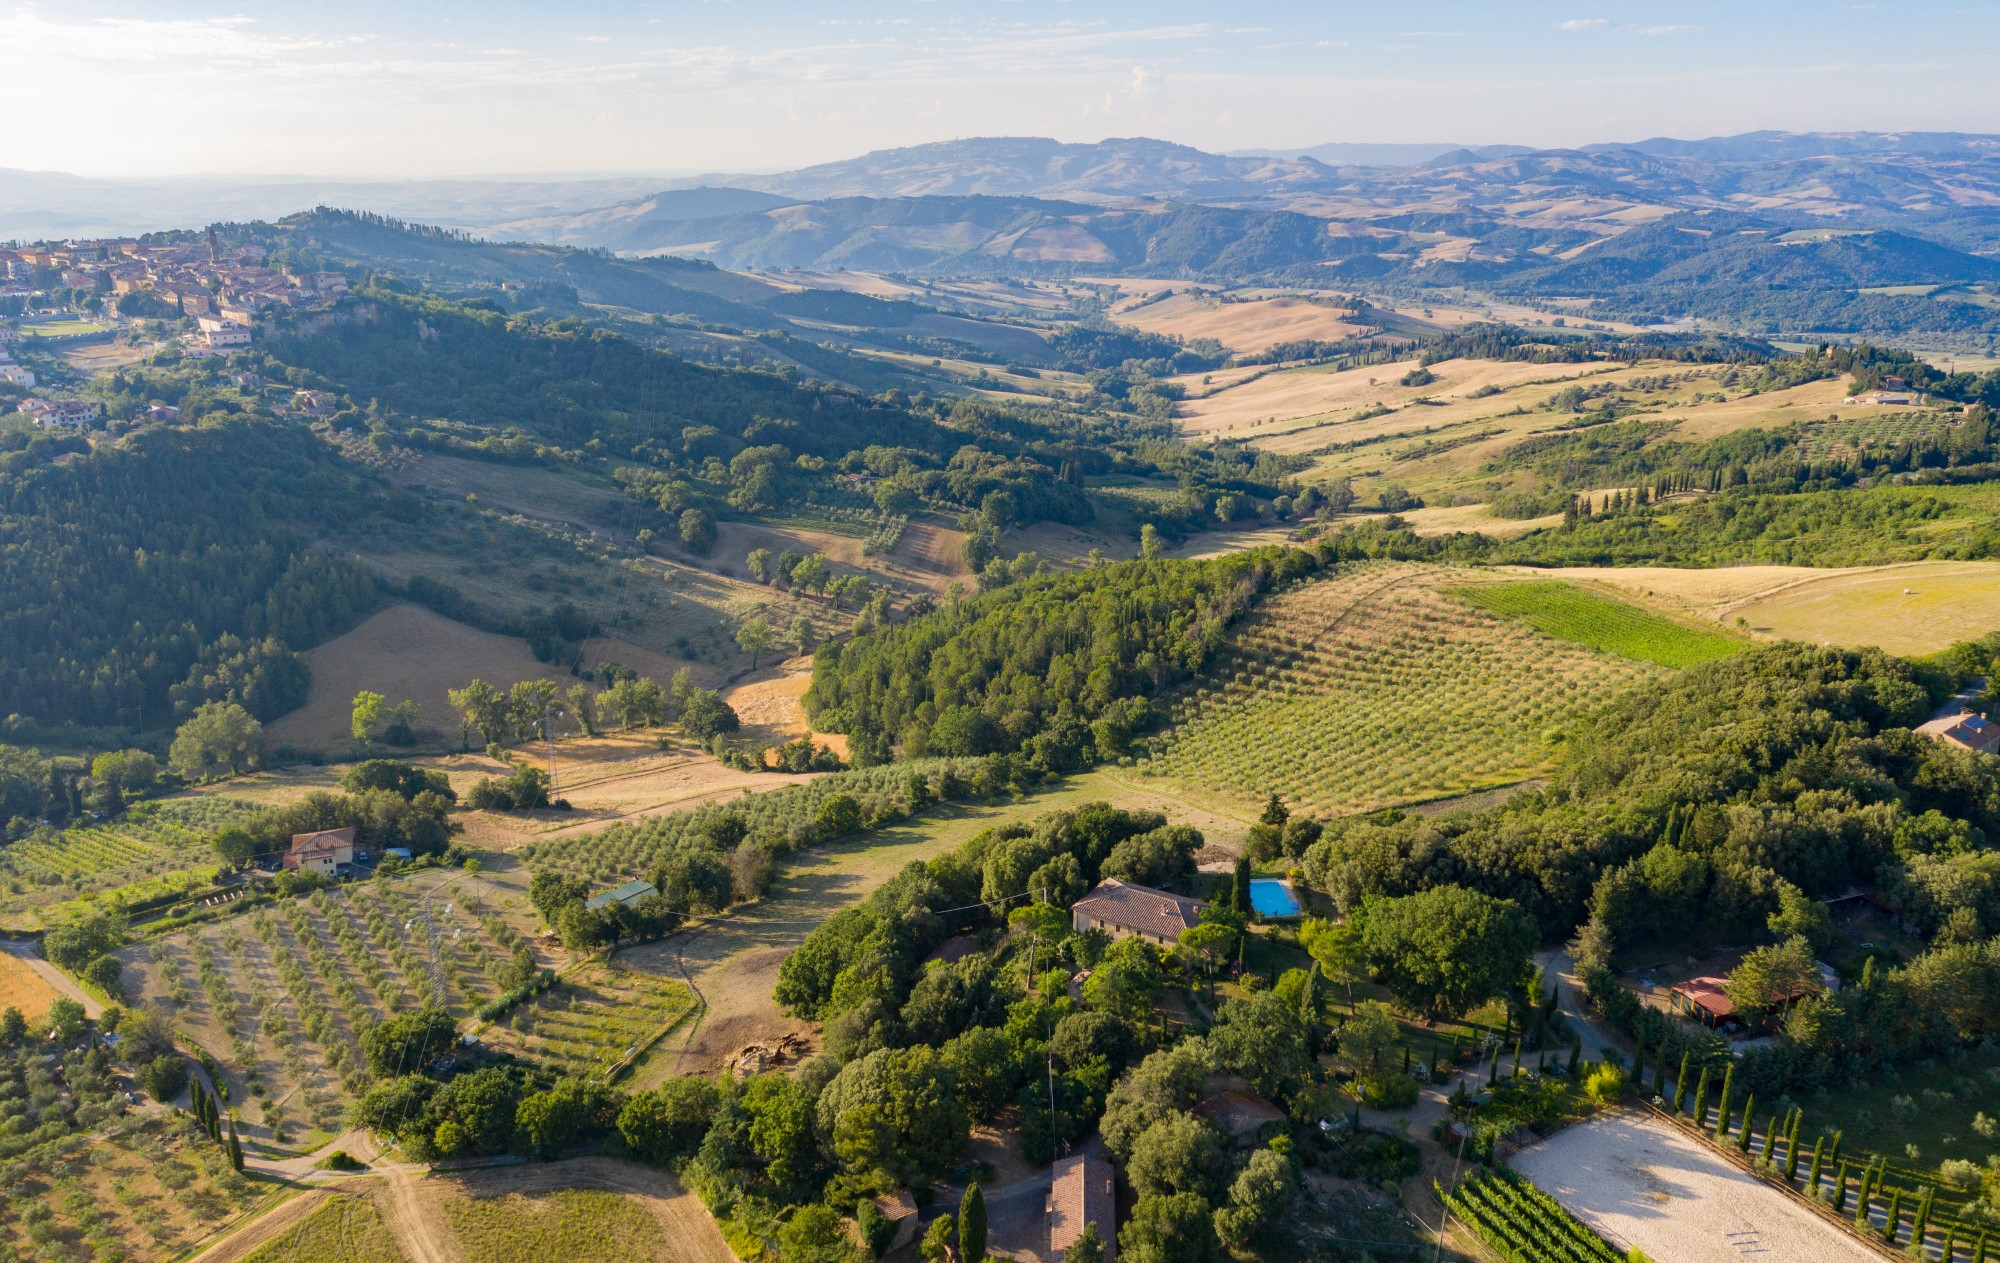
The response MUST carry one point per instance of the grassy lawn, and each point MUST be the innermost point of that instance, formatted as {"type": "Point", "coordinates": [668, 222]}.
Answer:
{"type": "Point", "coordinates": [62, 328]}
{"type": "Point", "coordinates": [1580, 616]}
{"type": "Point", "coordinates": [562, 1224]}
{"type": "Point", "coordinates": [344, 1230]}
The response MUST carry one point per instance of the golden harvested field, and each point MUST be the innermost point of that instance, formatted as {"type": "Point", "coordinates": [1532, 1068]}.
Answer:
{"type": "Point", "coordinates": [1301, 408]}
{"type": "Point", "coordinates": [24, 989]}
{"type": "Point", "coordinates": [770, 705]}
{"type": "Point", "coordinates": [1378, 687]}
{"type": "Point", "coordinates": [1441, 449]}
{"type": "Point", "coordinates": [1915, 608]}
{"type": "Point", "coordinates": [404, 651]}
{"type": "Point", "coordinates": [1244, 326]}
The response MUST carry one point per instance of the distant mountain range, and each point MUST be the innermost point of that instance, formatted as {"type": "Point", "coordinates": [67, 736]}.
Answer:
{"type": "Point", "coordinates": [1769, 230]}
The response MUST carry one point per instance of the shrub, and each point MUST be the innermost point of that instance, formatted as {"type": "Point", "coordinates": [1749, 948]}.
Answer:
{"type": "Point", "coordinates": [1388, 1090]}
{"type": "Point", "coordinates": [1606, 1084]}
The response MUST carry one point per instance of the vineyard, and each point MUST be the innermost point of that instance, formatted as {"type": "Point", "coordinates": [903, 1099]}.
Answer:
{"type": "Point", "coordinates": [1601, 623]}
{"type": "Point", "coordinates": [281, 996]}
{"type": "Point", "coordinates": [155, 849]}
{"type": "Point", "coordinates": [1377, 687]}
{"type": "Point", "coordinates": [1524, 1224]}
{"type": "Point", "coordinates": [590, 1023]}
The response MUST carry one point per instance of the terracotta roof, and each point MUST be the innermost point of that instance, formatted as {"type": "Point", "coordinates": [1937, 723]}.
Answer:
{"type": "Point", "coordinates": [325, 841]}
{"type": "Point", "coordinates": [1080, 1192]}
{"type": "Point", "coordinates": [1707, 993]}
{"type": "Point", "coordinates": [1972, 731]}
{"type": "Point", "coordinates": [1141, 908]}
{"type": "Point", "coordinates": [897, 1205]}
{"type": "Point", "coordinates": [1238, 1113]}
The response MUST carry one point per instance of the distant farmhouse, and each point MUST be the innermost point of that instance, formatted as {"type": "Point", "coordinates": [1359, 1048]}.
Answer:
{"type": "Point", "coordinates": [1122, 909]}
{"type": "Point", "coordinates": [325, 852]}
{"type": "Point", "coordinates": [1081, 1191]}
{"type": "Point", "coordinates": [1966, 730]}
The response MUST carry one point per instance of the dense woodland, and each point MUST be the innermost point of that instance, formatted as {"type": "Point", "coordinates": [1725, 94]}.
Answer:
{"type": "Point", "coordinates": [1068, 661]}
{"type": "Point", "coordinates": [207, 532]}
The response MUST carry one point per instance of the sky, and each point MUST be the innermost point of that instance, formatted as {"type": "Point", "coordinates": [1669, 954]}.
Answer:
{"type": "Point", "coordinates": [435, 88]}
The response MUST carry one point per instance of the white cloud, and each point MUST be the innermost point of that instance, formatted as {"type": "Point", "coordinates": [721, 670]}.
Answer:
{"type": "Point", "coordinates": [1583, 24]}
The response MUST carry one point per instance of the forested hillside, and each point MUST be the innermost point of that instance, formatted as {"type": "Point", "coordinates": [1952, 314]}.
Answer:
{"type": "Point", "coordinates": [431, 358]}
{"type": "Point", "coordinates": [1069, 660]}
{"type": "Point", "coordinates": [1788, 765]}
{"type": "Point", "coordinates": [122, 569]}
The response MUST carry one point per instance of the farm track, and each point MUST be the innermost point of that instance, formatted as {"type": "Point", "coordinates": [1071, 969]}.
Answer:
{"type": "Point", "coordinates": [259, 1231]}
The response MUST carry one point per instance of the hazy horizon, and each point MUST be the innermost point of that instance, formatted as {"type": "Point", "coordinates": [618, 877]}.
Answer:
{"type": "Point", "coordinates": [365, 90]}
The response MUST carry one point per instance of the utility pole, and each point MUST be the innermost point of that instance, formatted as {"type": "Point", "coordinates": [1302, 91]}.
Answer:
{"type": "Point", "coordinates": [549, 738]}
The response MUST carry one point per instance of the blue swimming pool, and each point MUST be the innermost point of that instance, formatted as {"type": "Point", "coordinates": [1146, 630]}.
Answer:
{"type": "Point", "coordinates": [1273, 897]}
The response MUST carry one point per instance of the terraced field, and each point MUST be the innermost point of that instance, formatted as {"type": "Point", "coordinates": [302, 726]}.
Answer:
{"type": "Point", "coordinates": [1376, 688]}
{"type": "Point", "coordinates": [155, 848]}
{"type": "Point", "coordinates": [596, 1020]}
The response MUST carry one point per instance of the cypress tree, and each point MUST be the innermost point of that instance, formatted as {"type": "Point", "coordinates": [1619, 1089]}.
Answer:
{"type": "Point", "coordinates": [972, 1224]}
{"type": "Point", "coordinates": [1770, 1136]}
{"type": "Point", "coordinates": [1792, 1148]}
{"type": "Point", "coordinates": [1813, 1174]}
{"type": "Point", "coordinates": [1979, 1248]}
{"type": "Point", "coordinates": [1493, 1070]}
{"type": "Point", "coordinates": [1950, 1248]}
{"type": "Point", "coordinates": [1722, 1106]}
{"type": "Point", "coordinates": [1701, 1100]}
{"type": "Point", "coordinates": [1895, 1220]}
{"type": "Point", "coordinates": [1681, 1085]}
{"type": "Point", "coordinates": [235, 1148]}
{"type": "Point", "coordinates": [1840, 1191]}
{"type": "Point", "coordinates": [1517, 1056]}
{"type": "Point", "coordinates": [1749, 1123]}
{"type": "Point", "coordinates": [1575, 1052]}
{"type": "Point", "coordinates": [1921, 1221]}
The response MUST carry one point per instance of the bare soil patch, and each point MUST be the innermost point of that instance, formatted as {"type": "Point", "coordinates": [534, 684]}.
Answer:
{"type": "Point", "coordinates": [1644, 1185]}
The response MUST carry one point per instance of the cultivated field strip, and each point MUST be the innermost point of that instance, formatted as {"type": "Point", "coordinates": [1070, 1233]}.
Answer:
{"type": "Point", "coordinates": [281, 996]}
{"type": "Point", "coordinates": [1378, 687]}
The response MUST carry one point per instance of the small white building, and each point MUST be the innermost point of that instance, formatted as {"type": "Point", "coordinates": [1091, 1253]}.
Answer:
{"type": "Point", "coordinates": [223, 334]}
{"type": "Point", "coordinates": [19, 376]}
